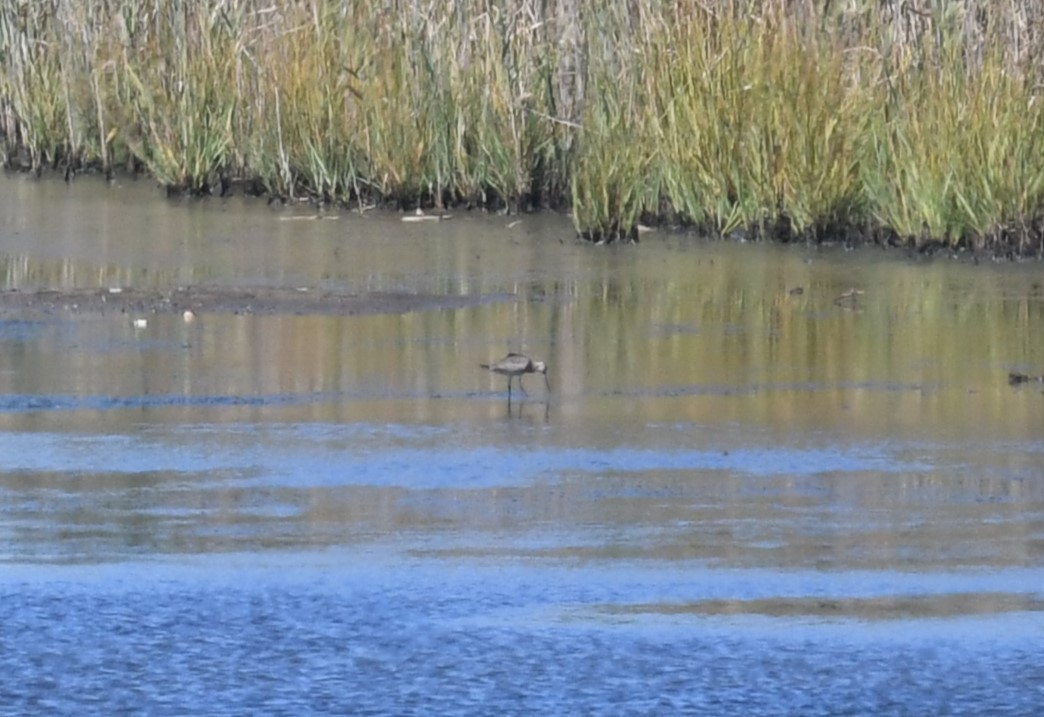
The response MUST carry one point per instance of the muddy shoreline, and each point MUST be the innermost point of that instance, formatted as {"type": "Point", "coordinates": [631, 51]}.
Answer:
{"type": "Point", "coordinates": [214, 300]}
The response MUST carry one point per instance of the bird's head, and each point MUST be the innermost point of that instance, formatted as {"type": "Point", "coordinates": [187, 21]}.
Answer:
{"type": "Point", "coordinates": [541, 367]}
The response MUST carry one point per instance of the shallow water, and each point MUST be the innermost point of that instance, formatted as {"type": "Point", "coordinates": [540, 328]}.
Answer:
{"type": "Point", "coordinates": [736, 499]}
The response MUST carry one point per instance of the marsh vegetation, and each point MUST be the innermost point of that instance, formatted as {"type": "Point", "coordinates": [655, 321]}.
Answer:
{"type": "Point", "coordinates": [901, 122]}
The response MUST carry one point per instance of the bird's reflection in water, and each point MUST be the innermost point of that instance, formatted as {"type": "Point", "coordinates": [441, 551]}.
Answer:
{"type": "Point", "coordinates": [516, 409]}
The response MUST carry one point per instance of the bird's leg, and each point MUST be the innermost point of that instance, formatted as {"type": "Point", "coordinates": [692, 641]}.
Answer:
{"type": "Point", "coordinates": [522, 386]}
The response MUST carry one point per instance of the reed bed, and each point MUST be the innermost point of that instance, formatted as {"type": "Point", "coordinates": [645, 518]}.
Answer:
{"type": "Point", "coordinates": [897, 121]}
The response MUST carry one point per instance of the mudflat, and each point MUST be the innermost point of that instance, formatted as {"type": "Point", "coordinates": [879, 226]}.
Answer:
{"type": "Point", "coordinates": [255, 300]}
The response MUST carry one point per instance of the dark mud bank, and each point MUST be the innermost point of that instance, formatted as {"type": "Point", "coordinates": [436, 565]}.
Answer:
{"type": "Point", "coordinates": [211, 300]}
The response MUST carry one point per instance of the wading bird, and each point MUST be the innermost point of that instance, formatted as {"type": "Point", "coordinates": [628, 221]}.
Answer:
{"type": "Point", "coordinates": [517, 365]}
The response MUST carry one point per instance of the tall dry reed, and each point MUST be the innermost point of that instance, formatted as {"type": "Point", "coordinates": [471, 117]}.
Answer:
{"type": "Point", "coordinates": [792, 120]}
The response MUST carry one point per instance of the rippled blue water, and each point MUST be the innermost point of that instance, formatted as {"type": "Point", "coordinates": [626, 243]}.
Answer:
{"type": "Point", "coordinates": [357, 634]}
{"type": "Point", "coordinates": [291, 568]}
{"type": "Point", "coordinates": [736, 500]}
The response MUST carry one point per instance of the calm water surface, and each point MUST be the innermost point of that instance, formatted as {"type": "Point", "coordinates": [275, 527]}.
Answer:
{"type": "Point", "coordinates": [738, 498]}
